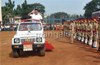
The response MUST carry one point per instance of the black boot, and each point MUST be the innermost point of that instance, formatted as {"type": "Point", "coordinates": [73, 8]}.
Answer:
{"type": "Point", "coordinates": [94, 47]}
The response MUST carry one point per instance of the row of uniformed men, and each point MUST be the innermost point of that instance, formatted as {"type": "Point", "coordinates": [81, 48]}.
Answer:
{"type": "Point", "coordinates": [87, 31]}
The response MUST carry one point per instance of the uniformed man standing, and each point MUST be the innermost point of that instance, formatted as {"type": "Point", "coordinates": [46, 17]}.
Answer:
{"type": "Point", "coordinates": [89, 32]}
{"type": "Point", "coordinates": [95, 34]}
{"type": "Point", "coordinates": [71, 28]}
{"type": "Point", "coordinates": [79, 32]}
{"type": "Point", "coordinates": [85, 31]}
{"type": "Point", "coordinates": [82, 25]}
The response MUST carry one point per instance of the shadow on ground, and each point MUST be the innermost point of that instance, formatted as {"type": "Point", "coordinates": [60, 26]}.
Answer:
{"type": "Point", "coordinates": [96, 57]}
{"type": "Point", "coordinates": [28, 54]}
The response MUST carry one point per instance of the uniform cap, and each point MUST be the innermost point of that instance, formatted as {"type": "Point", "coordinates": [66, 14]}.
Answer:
{"type": "Point", "coordinates": [89, 20]}
{"type": "Point", "coordinates": [95, 19]}
{"type": "Point", "coordinates": [81, 20]}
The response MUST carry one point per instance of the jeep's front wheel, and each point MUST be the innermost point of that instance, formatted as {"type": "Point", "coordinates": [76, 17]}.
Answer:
{"type": "Point", "coordinates": [42, 52]}
{"type": "Point", "coordinates": [16, 53]}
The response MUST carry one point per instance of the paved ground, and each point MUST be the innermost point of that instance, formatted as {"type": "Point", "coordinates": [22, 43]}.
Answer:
{"type": "Point", "coordinates": [63, 54]}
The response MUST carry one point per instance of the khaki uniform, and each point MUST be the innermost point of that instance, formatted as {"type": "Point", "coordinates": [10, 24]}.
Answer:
{"type": "Point", "coordinates": [71, 27]}
{"type": "Point", "coordinates": [89, 32]}
{"type": "Point", "coordinates": [94, 31]}
{"type": "Point", "coordinates": [82, 25]}
{"type": "Point", "coordinates": [79, 33]}
{"type": "Point", "coordinates": [95, 34]}
{"type": "Point", "coordinates": [85, 33]}
{"type": "Point", "coordinates": [92, 28]}
{"type": "Point", "coordinates": [64, 27]}
{"type": "Point", "coordinates": [60, 27]}
{"type": "Point", "coordinates": [80, 30]}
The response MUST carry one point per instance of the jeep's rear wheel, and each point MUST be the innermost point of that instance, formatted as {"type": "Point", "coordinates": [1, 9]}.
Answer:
{"type": "Point", "coordinates": [16, 53]}
{"type": "Point", "coordinates": [42, 52]}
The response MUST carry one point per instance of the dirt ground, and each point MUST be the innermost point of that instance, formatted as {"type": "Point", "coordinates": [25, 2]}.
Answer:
{"type": "Point", "coordinates": [63, 54]}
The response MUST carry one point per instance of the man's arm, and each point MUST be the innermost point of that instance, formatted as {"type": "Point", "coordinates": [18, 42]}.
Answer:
{"type": "Point", "coordinates": [30, 13]}
{"type": "Point", "coordinates": [41, 19]}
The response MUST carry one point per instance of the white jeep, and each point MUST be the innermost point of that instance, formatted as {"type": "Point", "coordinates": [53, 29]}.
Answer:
{"type": "Point", "coordinates": [29, 37]}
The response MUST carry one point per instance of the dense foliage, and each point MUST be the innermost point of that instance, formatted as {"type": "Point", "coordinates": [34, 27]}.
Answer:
{"type": "Point", "coordinates": [90, 7]}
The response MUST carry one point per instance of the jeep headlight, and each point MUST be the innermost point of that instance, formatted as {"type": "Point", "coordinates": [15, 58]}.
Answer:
{"type": "Point", "coordinates": [39, 39]}
{"type": "Point", "coordinates": [16, 40]}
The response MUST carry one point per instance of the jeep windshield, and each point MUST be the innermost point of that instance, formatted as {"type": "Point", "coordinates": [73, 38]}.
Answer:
{"type": "Point", "coordinates": [30, 26]}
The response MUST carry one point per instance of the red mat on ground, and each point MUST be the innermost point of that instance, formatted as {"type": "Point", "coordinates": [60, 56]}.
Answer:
{"type": "Point", "coordinates": [48, 46]}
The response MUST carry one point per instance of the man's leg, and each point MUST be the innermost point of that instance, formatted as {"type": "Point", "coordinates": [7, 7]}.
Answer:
{"type": "Point", "coordinates": [78, 35]}
{"type": "Point", "coordinates": [82, 40]}
{"type": "Point", "coordinates": [85, 38]}
{"type": "Point", "coordinates": [74, 34]}
{"type": "Point", "coordinates": [95, 41]}
{"type": "Point", "coordinates": [71, 37]}
{"type": "Point", "coordinates": [69, 33]}
{"type": "Point", "coordinates": [79, 38]}
{"type": "Point", "coordinates": [90, 40]}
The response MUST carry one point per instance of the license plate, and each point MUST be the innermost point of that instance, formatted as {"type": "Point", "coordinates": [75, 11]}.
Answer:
{"type": "Point", "coordinates": [27, 47]}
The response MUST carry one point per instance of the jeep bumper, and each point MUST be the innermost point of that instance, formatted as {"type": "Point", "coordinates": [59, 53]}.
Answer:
{"type": "Point", "coordinates": [34, 46]}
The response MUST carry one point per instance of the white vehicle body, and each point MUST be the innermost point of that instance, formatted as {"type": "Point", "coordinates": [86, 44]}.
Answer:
{"type": "Point", "coordinates": [32, 34]}
{"type": "Point", "coordinates": [35, 35]}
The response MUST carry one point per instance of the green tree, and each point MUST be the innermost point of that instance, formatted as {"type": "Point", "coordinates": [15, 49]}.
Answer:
{"type": "Point", "coordinates": [7, 11]}
{"type": "Point", "coordinates": [75, 16]}
{"type": "Point", "coordinates": [18, 11]}
{"type": "Point", "coordinates": [81, 16]}
{"type": "Point", "coordinates": [5, 14]}
{"type": "Point", "coordinates": [60, 15]}
{"type": "Point", "coordinates": [11, 5]}
{"type": "Point", "coordinates": [90, 7]}
{"type": "Point", "coordinates": [24, 10]}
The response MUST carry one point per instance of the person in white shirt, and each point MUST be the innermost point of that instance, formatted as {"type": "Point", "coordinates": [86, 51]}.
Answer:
{"type": "Point", "coordinates": [35, 15]}
{"type": "Point", "coordinates": [8, 27]}
{"type": "Point", "coordinates": [5, 27]}
{"type": "Point", "coordinates": [2, 28]}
